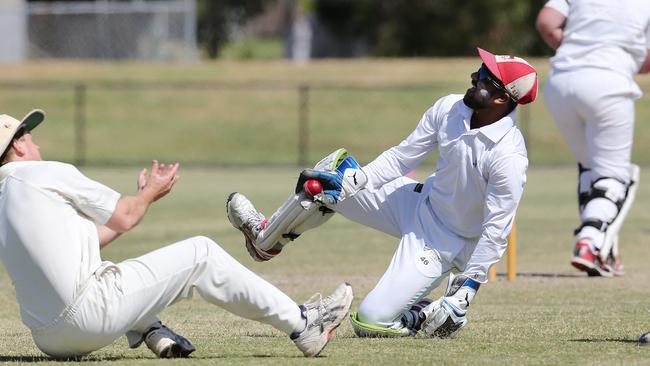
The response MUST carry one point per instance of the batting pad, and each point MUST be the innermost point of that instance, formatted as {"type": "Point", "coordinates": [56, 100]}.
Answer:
{"type": "Point", "coordinates": [297, 215]}
{"type": "Point", "coordinates": [300, 213]}
{"type": "Point", "coordinates": [364, 330]}
{"type": "Point", "coordinates": [610, 243]}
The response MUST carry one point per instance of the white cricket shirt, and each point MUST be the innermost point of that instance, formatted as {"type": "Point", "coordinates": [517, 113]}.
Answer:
{"type": "Point", "coordinates": [48, 239]}
{"type": "Point", "coordinates": [476, 188]}
{"type": "Point", "coordinates": [605, 34]}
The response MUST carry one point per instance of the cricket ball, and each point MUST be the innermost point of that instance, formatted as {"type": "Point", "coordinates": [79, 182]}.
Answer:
{"type": "Point", "coordinates": [312, 187]}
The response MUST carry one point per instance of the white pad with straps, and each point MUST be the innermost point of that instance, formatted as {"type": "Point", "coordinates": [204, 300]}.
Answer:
{"type": "Point", "coordinates": [299, 213]}
{"type": "Point", "coordinates": [610, 243]}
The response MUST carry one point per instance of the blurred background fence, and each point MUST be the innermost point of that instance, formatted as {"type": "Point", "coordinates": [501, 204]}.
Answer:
{"type": "Point", "coordinates": [155, 30]}
{"type": "Point", "coordinates": [251, 123]}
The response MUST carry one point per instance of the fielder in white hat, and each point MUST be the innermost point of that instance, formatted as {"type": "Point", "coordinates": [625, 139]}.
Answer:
{"type": "Point", "coordinates": [457, 220]}
{"type": "Point", "coordinates": [54, 220]}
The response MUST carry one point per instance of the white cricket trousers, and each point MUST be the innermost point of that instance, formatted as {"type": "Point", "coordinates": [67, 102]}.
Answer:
{"type": "Point", "coordinates": [594, 111]}
{"type": "Point", "coordinates": [415, 268]}
{"type": "Point", "coordinates": [128, 296]}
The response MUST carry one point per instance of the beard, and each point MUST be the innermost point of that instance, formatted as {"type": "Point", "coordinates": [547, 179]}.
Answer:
{"type": "Point", "coordinates": [476, 100]}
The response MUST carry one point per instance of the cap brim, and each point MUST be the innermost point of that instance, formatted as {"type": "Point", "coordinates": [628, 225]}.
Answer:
{"type": "Point", "coordinates": [33, 119]}
{"type": "Point", "coordinates": [490, 61]}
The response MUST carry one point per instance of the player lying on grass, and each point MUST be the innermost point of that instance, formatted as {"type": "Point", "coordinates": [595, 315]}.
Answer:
{"type": "Point", "coordinates": [459, 218]}
{"type": "Point", "coordinates": [53, 222]}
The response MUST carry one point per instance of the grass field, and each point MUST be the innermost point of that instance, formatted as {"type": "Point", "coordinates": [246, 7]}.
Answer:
{"type": "Point", "coordinates": [551, 315]}
{"type": "Point", "coordinates": [214, 113]}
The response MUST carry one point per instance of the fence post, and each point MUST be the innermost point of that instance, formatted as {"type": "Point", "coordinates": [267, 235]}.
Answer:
{"type": "Point", "coordinates": [303, 124]}
{"type": "Point", "coordinates": [80, 123]}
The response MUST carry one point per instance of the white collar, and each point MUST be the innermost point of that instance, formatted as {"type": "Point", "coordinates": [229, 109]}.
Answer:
{"type": "Point", "coordinates": [494, 131]}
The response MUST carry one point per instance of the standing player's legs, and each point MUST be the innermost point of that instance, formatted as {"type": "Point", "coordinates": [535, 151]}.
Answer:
{"type": "Point", "coordinates": [414, 269]}
{"type": "Point", "coordinates": [127, 297]}
{"type": "Point", "coordinates": [594, 111]}
{"type": "Point", "coordinates": [562, 101]}
{"type": "Point", "coordinates": [609, 132]}
{"type": "Point", "coordinates": [559, 94]}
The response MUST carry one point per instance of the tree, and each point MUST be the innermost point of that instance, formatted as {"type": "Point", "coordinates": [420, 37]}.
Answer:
{"type": "Point", "coordinates": [215, 17]}
{"type": "Point", "coordinates": [435, 27]}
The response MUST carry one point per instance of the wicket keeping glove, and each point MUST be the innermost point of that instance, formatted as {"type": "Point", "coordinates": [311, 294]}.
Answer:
{"type": "Point", "coordinates": [345, 181]}
{"type": "Point", "coordinates": [446, 316]}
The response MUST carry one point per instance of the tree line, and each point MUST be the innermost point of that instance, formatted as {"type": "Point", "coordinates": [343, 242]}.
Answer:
{"type": "Point", "coordinates": [396, 28]}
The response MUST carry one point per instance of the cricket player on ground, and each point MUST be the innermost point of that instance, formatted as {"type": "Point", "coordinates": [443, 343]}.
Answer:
{"type": "Point", "coordinates": [458, 219]}
{"type": "Point", "coordinates": [600, 46]}
{"type": "Point", "coordinates": [53, 222]}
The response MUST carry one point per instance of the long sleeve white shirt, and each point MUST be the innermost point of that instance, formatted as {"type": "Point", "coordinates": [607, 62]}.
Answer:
{"type": "Point", "coordinates": [48, 237]}
{"type": "Point", "coordinates": [476, 187]}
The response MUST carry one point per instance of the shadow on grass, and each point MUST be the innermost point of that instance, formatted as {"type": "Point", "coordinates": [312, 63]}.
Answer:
{"type": "Point", "coordinates": [547, 275]}
{"type": "Point", "coordinates": [33, 359]}
{"type": "Point", "coordinates": [27, 359]}
{"type": "Point", "coordinates": [606, 340]}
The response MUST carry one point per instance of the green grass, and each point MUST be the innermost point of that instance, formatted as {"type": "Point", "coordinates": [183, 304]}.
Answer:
{"type": "Point", "coordinates": [253, 48]}
{"type": "Point", "coordinates": [239, 113]}
{"type": "Point", "coordinates": [551, 315]}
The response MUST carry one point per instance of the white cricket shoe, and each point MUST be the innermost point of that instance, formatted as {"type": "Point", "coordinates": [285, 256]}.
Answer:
{"type": "Point", "coordinates": [165, 343]}
{"type": "Point", "coordinates": [323, 316]}
{"type": "Point", "coordinates": [244, 217]}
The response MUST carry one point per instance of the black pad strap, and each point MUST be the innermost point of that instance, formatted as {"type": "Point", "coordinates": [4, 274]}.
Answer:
{"type": "Point", "coordinates": [291, 236]}
{"type": "Point", "coordinates": [585, 197]}
{"type": "Point", "coordinates": [418, 188]}
{"type": "Point", "coordinates": [598, 224]}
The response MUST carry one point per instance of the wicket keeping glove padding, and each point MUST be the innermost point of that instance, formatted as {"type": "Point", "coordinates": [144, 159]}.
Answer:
{"type": "Point", "coordinates": [345, 181]}
{"type": "Point", "coordinates": [332, 183]}
{"type": "Point", "coordinates": [446, 316]}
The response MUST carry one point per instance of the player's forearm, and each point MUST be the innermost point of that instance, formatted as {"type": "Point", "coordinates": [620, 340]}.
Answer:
{"type": "Point", "coordinates": [129, 212]}
{"type": "Point", "coordinates": [553, 38]}
{"type": "Point", "coordinates": [550, 25]}
{"type": "Point", "coordinates": [487, 253]}
{"type": "Point", "coordinates": [106, 235]}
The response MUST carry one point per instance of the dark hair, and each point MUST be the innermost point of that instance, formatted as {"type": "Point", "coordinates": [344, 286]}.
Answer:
{"type": "Point", "coordinates": [19, 133]}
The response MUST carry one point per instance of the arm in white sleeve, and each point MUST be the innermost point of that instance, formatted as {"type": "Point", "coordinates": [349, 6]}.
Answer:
{"type": "Point", "coordinates": [401, 159]}
{"type": "Point", "coordinates": [645, 66]}
{"type": "Point", "coordinates": [504, 189]}
{"type": "Point", "coordinates": [561, 6]}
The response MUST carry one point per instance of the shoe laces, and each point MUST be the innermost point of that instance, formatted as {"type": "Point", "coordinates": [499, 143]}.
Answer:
{"type": "Point", "coordinates": [317, 302]}
{"type": "Point", "coordinates": [253, 220]}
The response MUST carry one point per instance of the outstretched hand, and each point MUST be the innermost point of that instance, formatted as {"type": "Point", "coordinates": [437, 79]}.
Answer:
{"type": "Point", "coordinates": [159, 182]}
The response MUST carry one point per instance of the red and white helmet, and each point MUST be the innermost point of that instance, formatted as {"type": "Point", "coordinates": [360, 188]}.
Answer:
{"type": "Point", "coordinates": [517, 75]}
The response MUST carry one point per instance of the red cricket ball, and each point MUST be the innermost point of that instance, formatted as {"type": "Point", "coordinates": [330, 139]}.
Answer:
{"type": "Point", "coordinates": [312, 187]}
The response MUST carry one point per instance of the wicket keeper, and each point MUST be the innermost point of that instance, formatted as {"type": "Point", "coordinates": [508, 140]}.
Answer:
{"type": "Point", "coordinates": [458, 219]}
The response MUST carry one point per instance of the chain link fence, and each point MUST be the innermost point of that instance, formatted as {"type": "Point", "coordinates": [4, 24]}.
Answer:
{"type": "Point", "coordinates": [143, 30]}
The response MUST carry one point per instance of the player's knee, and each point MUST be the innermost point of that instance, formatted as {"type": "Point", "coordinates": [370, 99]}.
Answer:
{"type": "Point", "coordinates": [205, 246]}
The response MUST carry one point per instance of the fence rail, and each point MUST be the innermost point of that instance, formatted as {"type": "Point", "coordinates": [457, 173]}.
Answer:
{"type": "Point", "coordinates": [228, 123]}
